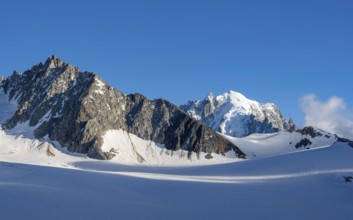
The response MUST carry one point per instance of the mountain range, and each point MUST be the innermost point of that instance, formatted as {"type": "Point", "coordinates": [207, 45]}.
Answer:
{"type": "Point", "coordinates": [56, 102]}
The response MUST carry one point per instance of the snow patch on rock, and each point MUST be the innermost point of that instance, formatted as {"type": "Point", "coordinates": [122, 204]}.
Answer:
{"type": "Point", "coordinates": [128, 148]}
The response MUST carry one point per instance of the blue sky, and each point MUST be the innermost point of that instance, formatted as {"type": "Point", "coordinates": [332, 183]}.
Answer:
{"type": "Point", "coordinates": [271, 51]}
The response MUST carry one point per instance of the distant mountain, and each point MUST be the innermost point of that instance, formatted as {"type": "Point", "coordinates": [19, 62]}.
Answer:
{"type": "Point", "coordinates": [283, 142]}
{"type": "Point", "coordinates": [77, 109]}
{"type": "Point", "coordinates": [235, 115]}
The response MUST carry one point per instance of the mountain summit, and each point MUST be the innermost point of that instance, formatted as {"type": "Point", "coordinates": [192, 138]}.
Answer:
{"type": "Point", "coordinates": [235, 115]}
{"type": "Point", "coordinates": [77, 109]}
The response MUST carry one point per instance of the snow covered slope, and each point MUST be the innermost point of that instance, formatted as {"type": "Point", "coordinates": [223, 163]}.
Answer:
{"type": "Point", "coordinates": [284, 142]}
{"type": "Point", "coordinates": [235, 115]}
{"type": "Point", "coordinates": [306, 185]}
{"type": "Point", "coordinates": [130, 149]}
{"type": "Point", "coordinates": [21, 149]}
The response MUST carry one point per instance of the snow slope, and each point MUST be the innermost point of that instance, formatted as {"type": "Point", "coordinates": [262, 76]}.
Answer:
{"type": "Point", "coordinates": [306, 185]}
{"type": "Point", "coordinates": [266, 145]}
{"type": "Point", "coordinates": [21, 149]}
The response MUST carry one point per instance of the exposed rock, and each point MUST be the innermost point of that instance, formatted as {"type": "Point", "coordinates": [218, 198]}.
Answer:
{"type": "Point", "coordinates": [77, 108]}
{"type": "Point", "coordinates": [348, 179]}
{"type": "Point", "coordinates": [311, 131]}
{"type": "Point", "coordinates": [291, 126]}
{"type": "Point", "coordinates": [208, 156]}
{"type": "Point", "coordinates": [303, 143]}
{"type": "Point", "coordinates": [311, 134]}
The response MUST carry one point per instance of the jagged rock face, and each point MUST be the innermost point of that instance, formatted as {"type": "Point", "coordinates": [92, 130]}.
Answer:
{"type": "Point", "coordinates": [235, 115]}
{"type": "Point", "coordinates": [77, 108]}
{"type": "Point", "coordinates": [164, 122]}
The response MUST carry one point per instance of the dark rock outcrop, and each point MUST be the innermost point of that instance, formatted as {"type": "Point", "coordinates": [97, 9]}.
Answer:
{"type": "Point", "coordinates": [291, 126]}
{"type": "Point", "coordinates": [303, 143]}
{"type": "Point", "coordinates": [348, 179]}
{"type": "Point", "coordinates": [77, 108]}
{"type": "Point", "coordinates": [311, 131]}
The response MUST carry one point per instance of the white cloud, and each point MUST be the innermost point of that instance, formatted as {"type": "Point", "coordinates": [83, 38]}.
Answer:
{"type": "Point", "coordinates": [331, 116]}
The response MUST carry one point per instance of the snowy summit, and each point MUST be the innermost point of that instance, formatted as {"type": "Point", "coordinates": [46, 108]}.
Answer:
{"type": "Point", "coordinates": [235, 115]}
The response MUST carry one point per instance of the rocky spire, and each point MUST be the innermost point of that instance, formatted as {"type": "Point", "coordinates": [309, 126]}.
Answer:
{"type": "Point", "coordinates": [292, 126]}
{"type": "Point", "coordinates": [53, 62]}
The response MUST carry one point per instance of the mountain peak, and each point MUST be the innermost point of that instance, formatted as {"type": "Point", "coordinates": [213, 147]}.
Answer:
{"type": "Point", "coordinates": [233, 114]}
{"type": "Point", "coordinates": [53, 62]}
{"type": "Point", "coordinates": [236, 96]}
{"type": "Point", "coordinates": [232, 92]}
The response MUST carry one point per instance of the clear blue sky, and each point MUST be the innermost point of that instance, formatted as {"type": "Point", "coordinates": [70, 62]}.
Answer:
{"type": "Point", "coordinates": [271, 51]}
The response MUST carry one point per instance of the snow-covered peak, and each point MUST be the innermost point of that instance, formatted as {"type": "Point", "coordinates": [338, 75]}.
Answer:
{"type": "Point", "coordinates": [236, 101]}
{"type": "Point", "coordinates": [234, 114]}
{"type": "Point", "coordinates": [236, 96]}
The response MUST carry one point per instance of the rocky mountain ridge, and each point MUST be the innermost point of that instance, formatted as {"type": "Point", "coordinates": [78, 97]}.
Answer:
{"type": "Point", "coordinates": [76, 108]}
